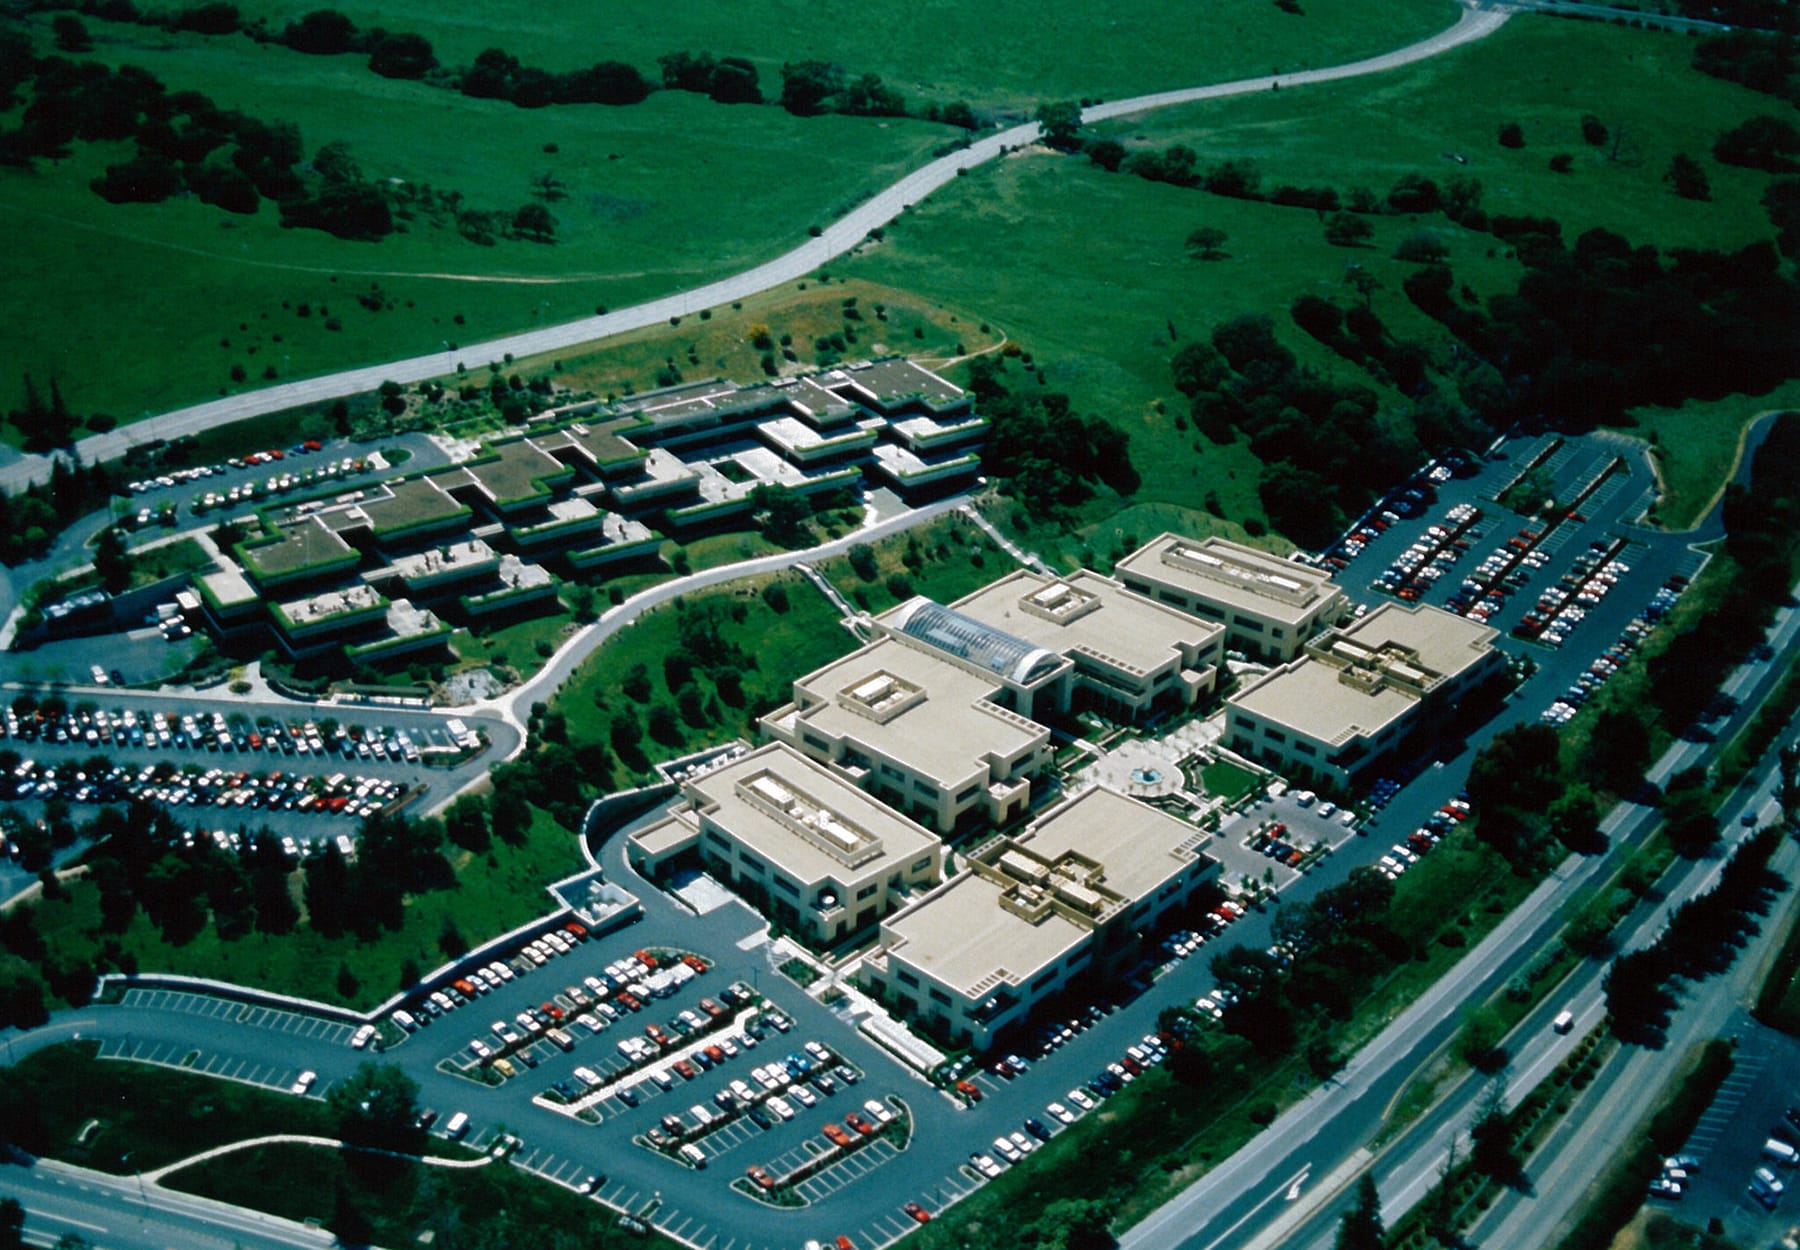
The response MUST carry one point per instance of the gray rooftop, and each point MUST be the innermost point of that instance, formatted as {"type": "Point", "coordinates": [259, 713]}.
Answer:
{"type": "Point", "coordinates": [1233, 574]}
{"type": "Point", "coordinates": [962, 935]}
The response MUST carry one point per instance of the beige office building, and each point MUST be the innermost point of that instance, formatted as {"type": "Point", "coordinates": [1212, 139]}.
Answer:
{"type": "Point", "coordinates": [1129, 655]}
{"type": "Point", "coordinates": [921, 731]}
{"type": "Point", "coordinates": [1268, 606]}
{"type": "Point", "coordinates": [801, 842]}
{"type": "Point", "coordinates": [1356, 696]}
{"type": "Point", "coordinates": [1074, 892]}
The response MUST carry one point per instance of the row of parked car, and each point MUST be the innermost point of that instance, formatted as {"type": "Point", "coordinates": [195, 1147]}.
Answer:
{"type": "Point", "coordinates": [193, 473]}
{"type": "Point", "coordinates": [209, 731]}
{"type": "Point", "coordinates": [278, 484]}
{"type": "Point", "coordinates": [484, 980]}
{"type": "Point", "coordinates": [1432, 554]}
{"type": "Point", "coordinates": [1604, 665]}
{"type": "Point", "coordinates": [189, 786]}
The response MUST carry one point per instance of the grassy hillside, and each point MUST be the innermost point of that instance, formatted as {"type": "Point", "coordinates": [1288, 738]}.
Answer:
{"type": "Point", "coordinates": [1009, 52]}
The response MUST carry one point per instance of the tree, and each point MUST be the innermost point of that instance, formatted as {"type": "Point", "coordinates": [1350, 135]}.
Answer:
{"type": "Point", "coordinates": [466, 823]}
{"type": "Point", "coordinates": [1076, 1224]}
{"type": "Point", "coordinates": [1347, 230]}
{"type": "Point", "coordinates": [111, 560]}
{"type": "Point", "coordinates": [402, 56]}
{"type": "Point", "coordinates": [1479, 1042]}
{"type": "Point", "coordinates": [534, 222]}
{"type": "Point", "coordinates": [71, 34]}
{"type": "Point", "coordinates": [12, 1224]}
{"type": "Point", "coordinates": [377, 1106]}
{"type": "Point", "coordinates": [1687, 178]}
{"type": "Point", "coordinates": [1763, 142]}
{"type": "Point", "coordinates": [1060, 124]}
{"type": "Point", "coordinates": [807, 86]}
{"type": "Point", "coordinates": [1423, 247]}
{"type": "Point", "coordinates": [1361, 1228]}
{"type": "Point", "coordinates": [1207, 243]}
{"type": "Point", "coordinates": [1490, 1140]}
{"type": "Point", "coordinates": [1364, 282]}
{"type": "Point", "coordinates": [1593, 130]}
{"type": "Point", "coordinates": [1512, 135]}
{"type": "Point", "coordinates": [1562, 163]}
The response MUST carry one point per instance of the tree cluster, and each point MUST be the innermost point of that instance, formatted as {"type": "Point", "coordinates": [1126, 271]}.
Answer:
{"type": "Point", "coordinates": [1768, 63]}
{"type": "Point", "coordinates": [1051, 458]}
{"type": "Point", "coordinates": [1760, 521]}
{"type": "Point", "coordinates": [727, 80]}
{"type": "Point", "coordinates": [1595, 329]}
{"type": "Point", "coordinates": [1702, 939]}
{"type": "Point", "coordinates": [809, 88]}
{"type": "Point", "coordinates": [31, 520]}
{"type": "Point", "coordinates": [498, 75]}
{"type": "Point", "coordinates": [1325, 449]}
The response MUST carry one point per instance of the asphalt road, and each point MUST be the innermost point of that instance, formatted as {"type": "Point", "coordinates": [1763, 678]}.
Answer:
{"type": "Point", "coordinates": [117, 1213]}
{"type": "Point", "coordinates": [836, 239]}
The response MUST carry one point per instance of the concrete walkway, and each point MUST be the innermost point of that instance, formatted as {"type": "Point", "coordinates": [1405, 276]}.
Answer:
{"type": "Point", "coordinates": [155, 1175]}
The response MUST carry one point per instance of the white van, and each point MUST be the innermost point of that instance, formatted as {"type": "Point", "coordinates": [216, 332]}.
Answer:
{"type": "Point", "coordinates": [457, 1127]}
{"type": "Point", "coordinates": [1780, 1152]}
{"type": "Point", "coordinates": [693, 1154]}
{"type": "Point", "coordinates": [1564, 1021]}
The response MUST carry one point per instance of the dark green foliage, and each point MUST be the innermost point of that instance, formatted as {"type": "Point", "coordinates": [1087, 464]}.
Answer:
{"type": "Point", "coordinates": [323, 32]}
{"type": "Point", "coordinates": [111, 560]}
{"type": "Point", "coordinates": [1512, 135]}
{"type": "Point", "coordinates": [807, 86]}
{"type": "Point", "coordinates": [1764, 142]}
{"type": "Point", "coordinates": [1051, 457]}
{"type": "Point", "coordinates": [1361, 1227]}
{"type": "Point", "coordinates": [1060, 123]}
{"type": "Point", "coordinates": [1759, 61]}
{"type": "Point", "coordinates": [401, 55]}
{"type": "Point", "coordinates": [358, 212]}
{"type": "Point", "coordinates": [377, 1106]}
{"type": "Point", "coordinates": [1687, 178]}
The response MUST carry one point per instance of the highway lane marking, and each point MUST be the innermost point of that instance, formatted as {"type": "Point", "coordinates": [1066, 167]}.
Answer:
{"type": "Point", "coordinates": [1277, 1193]}
{"type": "Point", "coordinates": [66, 1219]}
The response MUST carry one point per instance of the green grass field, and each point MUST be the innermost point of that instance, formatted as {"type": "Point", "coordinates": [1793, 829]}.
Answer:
{"type": "Point", "coordinates": [952, 559]}
{"type": "Point", "coordinates": [781, 646]}
{"type": "Point", "coordinates": [660, 196]}
{"type": "Point", "coordinates": [496, 892]}
{"type": "Point", "coordinates": [137, 1116]}
{"type": "Point", "coordinates": [1008, 53]}
{"type": "Point", "coordinates": [1698, 446]}
{"type": "Point", "coordinates": [1544, 74]}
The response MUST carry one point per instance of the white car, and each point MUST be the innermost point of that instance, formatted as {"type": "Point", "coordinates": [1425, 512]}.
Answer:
{"type": "Point", "coordinates": [362, 1037]}
{"type": "Point", "coordinates": [986, 1166]}
{"type": "Point", "coordinates": [1061, 1112]}
{"type": "Point", "coordinates": [1081, 1098]}
{"type": "Point", "coordinates": [304, 1082]}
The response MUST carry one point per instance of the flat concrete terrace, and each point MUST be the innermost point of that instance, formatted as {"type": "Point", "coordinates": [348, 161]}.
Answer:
{"type": "Point", "coordinates": [764, 467]}
{"type": "Point", "coordinates": [333, 605]}
{"type": "Point", "coordinates": [927, 434]}
{"type": "Point", "coordinates": [1215, 570]}
{"type": "Point", "coordinates": [965, 937]}
{"type": "Point", "coordinates": [893, 383]}
{"type": "Point", "coordinates": [1085, 614]}
{"type": "Point", "coordinates": [804, 441]}
{"type": "Point", "coordinates": [451, 562]}
{"type": "Point", "coordinates": [1141, 848]}
{"type": "Point", "coordinates": [930, 714]}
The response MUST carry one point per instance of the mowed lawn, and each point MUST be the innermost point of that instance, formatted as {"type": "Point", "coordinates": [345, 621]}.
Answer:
{"type": "Point", "coordinates": [140, 308]}
{"type": "Point", "coordinates": [1011, 53]}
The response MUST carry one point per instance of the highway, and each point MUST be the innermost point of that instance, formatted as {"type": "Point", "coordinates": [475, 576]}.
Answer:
{"type": "Point", "coordinates": [119, 1213]}
{"type": "Point", "coordinates": [834, 240]}
{"type": "Point", "coordinates": [1245, 1202]}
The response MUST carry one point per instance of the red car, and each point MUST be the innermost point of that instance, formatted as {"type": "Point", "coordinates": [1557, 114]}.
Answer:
{"type": "Point", "coordinates": [756, 1173]}
{"type": "Point", "coordinates": [918, 1212]}
{"type": "Point", "coordinates": [969, 1090]}
{"type": "Point", "coordinates": [685, 1070]}
{"type": "Point", "coordinates": [695, 962]}
{"type": "Point", "coordinates": [859, 1124]}
{"type": "Point", "coordinates": [835, 1134]}
{"type": "Point", "coordinates": [646, 958]}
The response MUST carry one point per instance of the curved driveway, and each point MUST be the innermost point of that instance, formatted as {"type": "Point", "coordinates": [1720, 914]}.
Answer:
{"type": "Point", "coordinates": [833, 241]}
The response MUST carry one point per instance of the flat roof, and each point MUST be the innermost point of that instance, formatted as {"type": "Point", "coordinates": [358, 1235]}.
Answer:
{"type": "Point", "coordinates": [1230, 573]}
{"type": "Point", "coordinates": [1140, 846]}
{"type": "Point", "coordinates": [894, 380]}
{"type": "Point", "coordinates": [1331, 702]}
{"type": "Point", "coordinates": [301, 545]}
{"type": "Point", "coordinates": [332, 603]}
{"type": "Point", "coordinates": [1085, 613]}
{"type": "Point", "coordinates": [450, 558]}
{"type": "Point", "coordinates": [603, 443]}
{"type": "Point", "coordinates": [962, 936]}
{"type": "Point", "coordinates": [517, 471]}
{"type": "Point", "coordinates": [788, 809]}
{"type": "Point", "coordinates": [1446, 643]}
{"type": "Point", "coordinates": [946, 734]}
{"type": "Point", "coordinates": [413, 501]}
